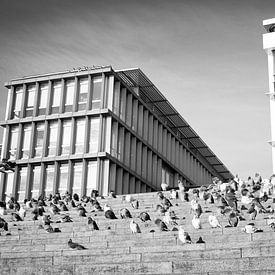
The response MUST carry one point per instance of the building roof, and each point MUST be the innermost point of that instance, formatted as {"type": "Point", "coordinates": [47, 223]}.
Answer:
{"type": "Point", "coordinates": [167, 113]}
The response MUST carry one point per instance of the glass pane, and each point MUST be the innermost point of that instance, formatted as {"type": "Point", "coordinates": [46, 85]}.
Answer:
{"type": "Point", "coordinates": [94, 135]}
{"type": "Point", "coordinates": [80, 135]}
{"type": "Point", "coordinates": [56, 97]}
{"type": "Point", "coordinates": [66, 137]}
{"type": "Point", "coordinates": [13, 143]}
{"type": "Point", "coordinates": [26, 141]}
{"type": "Point", "coordinates": [43, 98]}
{"type": "Point", "coordinates": [63, 178]}
{"type": "Point", "coordinates": [69, 95]}
{"type": "Point", "coordinates": [77, 177]}
{"type": "Point", "coordinates": [53, 130]}
{"type": "Point", "coordinates": [22, 184]}
{"type": "Point", "coordinates": [9, 184]}
{"type": "Point", "coordinates": [36, 181]}
{"type": "Point", "coordinates": [30, 100]}
{"type": "Point", "coordinates": [39, 137]}
{"type": "Point", "coordinates": [83, 94]}
{"type": "Point", "coordinates": [49, 179]}
{"type": "Point", "coordinates": [91, 177]}
{"type": "Point", "coordinates": [96, 94]}
{"type": "Point", "coordinates": [18, 101]}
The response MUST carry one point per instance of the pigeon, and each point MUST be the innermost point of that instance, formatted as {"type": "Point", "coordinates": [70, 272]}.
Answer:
{"type": "Point", "coordinates": [135, 204]}
{"type": "Point", "coordinates": [107, 207]}
{"type": "Point", "coordinates": [250, 229]}
{"type": "Point", "coordinates": [22, 213]}
{"type": "Point", "coordinates": [129, 198]}
{"type": "Point", "coordinates": [53, 209]}
{"type": "Point", "coordinates": [200, 240]}
{"type": "Point", "coordinates": [81, 211]}
{"type": "Point", "coordinates": [161, 225]}
{"type": "Point", "coordinates": [164, 186]}
{"type": "Point", "coordinates": [125, 213]}
{"type": "Point", "coordinates": [3, 224]}
{"type": "Point", "coordinates": [184, 237]}
{"type": "Point", "coordinates": [63, 206]}
{"type": "Point", "coordinates": [112, 194]}
{"type": "Point", "coordinates": [92, 224]}
{"type": "Point", "coordinates": [134, 227]}
{"type": "Point", "coordinates": [3, 211]}
{"type": "Point", "coordinates": [109, 214]}
{"type": "Point", "coordinates": [173, 194]}
{"type": "Point", "coordinates": [28, 204]}
{"type": "Point", "coordinates": [168, 219]}
{"type": "Point", "coordinates": [76, 246]}
{"type": "Point", "coordinates": [144, 216]}
{"type": "Point", "coordinates": [46, 219]}
{"type": "Point", "coordinates": [76, 197]}
{"type": "Point", "coordinates": [196, 222]}
{"type": "Point", "coordinates": [252, 211]}
{"type": "Point", "coordinates": [272, 226]}
{"type": "Point", "coordinates": [160, 209]}
{"type": "Point", "coordinates": [16, 217]}
{"type": "Point", "coordinates": [65, 218]}
{"type": "Point", "coordinates": [214, 221]}
{"type": "Point", "coordinates": [233, 219]}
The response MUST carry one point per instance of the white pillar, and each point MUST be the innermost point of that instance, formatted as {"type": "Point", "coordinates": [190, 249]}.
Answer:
{"type": "Point", "coordinates": [269, 47]}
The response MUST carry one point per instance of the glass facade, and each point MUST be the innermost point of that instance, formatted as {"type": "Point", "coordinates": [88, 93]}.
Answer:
{"type": "Point", "coordinates": [90, 131]}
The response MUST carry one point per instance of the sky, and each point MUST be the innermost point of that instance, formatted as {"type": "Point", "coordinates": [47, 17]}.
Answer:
{"type": "Point", "coordinates": [205, 56]}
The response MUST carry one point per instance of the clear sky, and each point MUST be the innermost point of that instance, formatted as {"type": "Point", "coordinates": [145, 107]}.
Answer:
{"type": "Point", "coordinates": [205, 56]}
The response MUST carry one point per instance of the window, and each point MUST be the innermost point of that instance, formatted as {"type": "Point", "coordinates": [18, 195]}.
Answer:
{"type": "Point", "coordinates": [91, 177]}
{"type": "Point", "coordinates": [39, 137]}
{"type": "Point", "coordinates": [77, 178]}
{"type": "Point", "coordinates": [49, 178]}
{"type": "Point", "coordinates": [80, 135]}
{"type": "Point", "coordinates": [13, 143]}
{"type": "Point", "coordinates": [17, 102]}
{"type": "Point", "coordinates": [36, 181]}
{"type": "Point", "coordinates": [114, 139]}
{"type": "Point", "coordinates": [9, 185]}
{"type": "Point", "coordinates": [66, 137]}
{"type": "Point", "coordinates": [30, 100]}
{"type": "Point", "coordinates": [167, 175]}
{"type": "Point", "coordinates": [96, 95]}
{"type": "Point", "coordinates": [22, 183]}
{"type": "Point", "coordinates": [53, 130]}
{"type": "Point", "coordinates": [56, 97]}
{"type": "Point", "coordinates": [26, 141]}
{"type": "Point", "coordinates": [63, 178]}
{"type": "Point", "coordinates": [116, 98]}
{"type": "Point", "coordinates": [43, 98]}
{"type": "Point", "coordinates": [83, 94]}
{"type": "Point", "coordinates": [122, 106]}
{"type": "Point", "coordinates": [69, 95]}
{"type": "Point", "coordinates": [94, 135]}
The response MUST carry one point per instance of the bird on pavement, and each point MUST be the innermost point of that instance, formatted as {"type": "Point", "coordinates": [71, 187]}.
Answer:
{"type": "Point", "coordinates": [134, 227]}
{"type": "Point", "coordinates": [76, 246]}
{"type": "Point", "coordinates": [125, 213]}
{"type": "Point", "coordinates": [214, 223]}
{"type": "Point", "coordinates": [184, 237]}
{"type": "Point", "coordinates": [144, 216]}
{"type": "Point", "coordinates": [92, 224]}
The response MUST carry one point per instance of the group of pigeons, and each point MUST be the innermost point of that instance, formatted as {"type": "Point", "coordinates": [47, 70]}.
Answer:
{"type": "Point", "coordinates": [229, 199]}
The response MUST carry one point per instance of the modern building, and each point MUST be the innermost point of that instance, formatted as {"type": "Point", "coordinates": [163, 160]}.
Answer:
{"type": "Point", "coordinates": [97, 128]}
{"type": "Point", "coordinates": [269, 47]}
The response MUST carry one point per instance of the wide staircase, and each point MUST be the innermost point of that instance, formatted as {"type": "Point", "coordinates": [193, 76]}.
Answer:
{"type": "Point", "coordinates": [114, 249]}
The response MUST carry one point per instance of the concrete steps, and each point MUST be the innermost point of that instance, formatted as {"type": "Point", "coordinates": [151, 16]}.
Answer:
{"type": "Point", "coordinates": [29, 250]}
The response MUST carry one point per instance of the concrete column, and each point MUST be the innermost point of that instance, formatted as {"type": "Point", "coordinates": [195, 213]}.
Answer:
{"type": "Point", "coordinates": [269, 47]}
